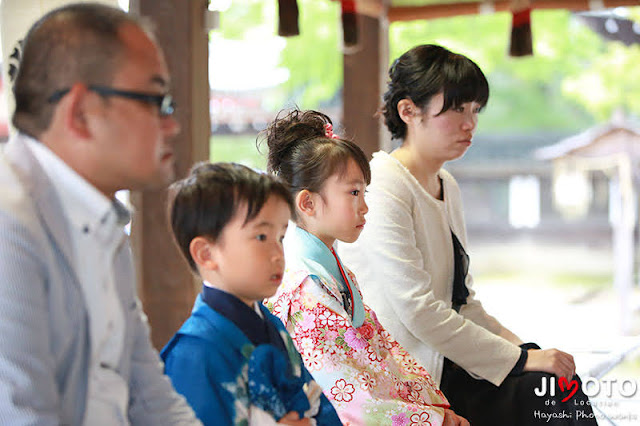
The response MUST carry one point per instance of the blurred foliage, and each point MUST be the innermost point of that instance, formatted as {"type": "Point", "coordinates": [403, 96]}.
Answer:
{"type": "Point", "coordinates": [574, 79]}
{"type": "Point", "coordinates": [238, 148]}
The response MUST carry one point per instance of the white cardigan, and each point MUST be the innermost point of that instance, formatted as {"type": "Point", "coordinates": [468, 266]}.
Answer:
{"type": "Point", "coordinates": [404, 263]}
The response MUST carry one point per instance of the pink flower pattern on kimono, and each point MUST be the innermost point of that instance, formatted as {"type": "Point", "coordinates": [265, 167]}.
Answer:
{"type": "Point", "coordinates": [363, 371]}
{"type": "Point", "coordinates": [399, 420]}
{"type": "Point", "coordinates": [312, 359]}
{"type": "Point", "coordinates": [366, 381]}
{"type": "Point", "coordinates": [308, 320]}
{"type": "Point", "coordinates": [410, 365]}
{"type": "Point", "coordinates": [421, 419]}
{"type": "Point", "coordinates": [386, 340]}
{"type": "Point", "coordinates": [354, 339]}
{"type": "Point", "coordinates": [342, 391]}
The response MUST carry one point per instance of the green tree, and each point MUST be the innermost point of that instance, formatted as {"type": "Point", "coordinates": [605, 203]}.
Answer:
{"type": "Point", "coordinates": [573, 80]}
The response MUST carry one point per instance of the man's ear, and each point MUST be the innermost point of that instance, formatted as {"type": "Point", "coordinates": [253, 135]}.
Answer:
{"type": "Point", "coordinates": [305, 203]}
{"type": "Point", "coordinates": [407, 110]}
{"type": "Point", "coordinates": [75, 106]}
{"type": "Point", "coordinates": [203, 253]}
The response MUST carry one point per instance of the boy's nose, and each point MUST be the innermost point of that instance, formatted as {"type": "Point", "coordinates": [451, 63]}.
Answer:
{"type": "Point", "coordinates": [278, 254]}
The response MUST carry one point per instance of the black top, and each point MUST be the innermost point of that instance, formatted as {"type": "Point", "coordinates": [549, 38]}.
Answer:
{"type": "Point", "coordinates": [461, 292]}
{"type": "Point", "coordinates": [460, 270]}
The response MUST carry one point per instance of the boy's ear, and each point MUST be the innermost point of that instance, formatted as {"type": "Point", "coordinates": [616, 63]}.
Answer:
{"type": "Point", "coordinates": [407, 110]}
{"type": "Point", "coordinates": [305, 203]}
{"type": "Point", "coordinates": [203, 253]}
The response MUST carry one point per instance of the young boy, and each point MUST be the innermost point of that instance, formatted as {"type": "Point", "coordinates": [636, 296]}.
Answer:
{"type": "Point", "coordinates": [232, 360]}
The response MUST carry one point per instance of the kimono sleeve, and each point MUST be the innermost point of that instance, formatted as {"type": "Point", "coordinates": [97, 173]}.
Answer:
{"type": "Point", "coordinates": [189, 362]}
{"type": "Point", "coordinates": [357, 368]}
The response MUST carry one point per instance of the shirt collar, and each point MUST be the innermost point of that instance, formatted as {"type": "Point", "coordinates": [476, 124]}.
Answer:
{"type": "Point", "coordinates": [87, 208]}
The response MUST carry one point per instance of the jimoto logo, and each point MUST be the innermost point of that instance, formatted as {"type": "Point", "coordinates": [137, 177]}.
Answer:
{"type": "Point", "coordinates": [591, 387]}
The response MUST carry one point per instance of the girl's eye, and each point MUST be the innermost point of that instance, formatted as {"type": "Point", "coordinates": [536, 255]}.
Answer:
{"type": "Point", "coordinates": [281, 239]}
{"type": "Point", "coordinates": [478, 110]}
{"type": "Point", "coordinates": [261, 237]}
{"type": "Point", "coordinates": [458, 109]}
{"type": "Point", "coordinates": [355, 192]}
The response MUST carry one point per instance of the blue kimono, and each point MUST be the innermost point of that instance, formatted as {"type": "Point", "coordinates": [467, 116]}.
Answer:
{"type": "Point", "coordinates": [228, 380]}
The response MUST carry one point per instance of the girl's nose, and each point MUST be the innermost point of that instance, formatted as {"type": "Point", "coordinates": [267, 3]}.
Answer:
{"type": "Point", "coordinates": [364, 208]}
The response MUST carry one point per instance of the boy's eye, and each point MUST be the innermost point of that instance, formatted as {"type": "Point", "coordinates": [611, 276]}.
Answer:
{"type": "Point", "coordinates": [281, 238]}
{"type": "Point", "coordinates": [261, 237]}
{"type": "Point", "coordinates": [355, 192]}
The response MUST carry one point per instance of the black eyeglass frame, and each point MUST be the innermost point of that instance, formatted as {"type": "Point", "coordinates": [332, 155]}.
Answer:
{"type": "Point", "coordinates": [165, 103]}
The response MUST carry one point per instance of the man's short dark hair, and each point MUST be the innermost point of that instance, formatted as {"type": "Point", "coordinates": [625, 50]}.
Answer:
{"type": "Point", "coordinates": [71, 44]}
{"type": "Point", "coordinates": [203, 203]}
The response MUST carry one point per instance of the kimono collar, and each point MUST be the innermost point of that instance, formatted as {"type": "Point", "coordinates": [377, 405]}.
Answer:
{"type": "Point", "coordinates": [323, 264]}
{"type": "Point", "coordinates": [258, 330]}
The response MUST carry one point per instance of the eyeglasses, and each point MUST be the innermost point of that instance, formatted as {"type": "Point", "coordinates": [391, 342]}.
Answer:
{"type": "Point", "coordinates": [165, 103]}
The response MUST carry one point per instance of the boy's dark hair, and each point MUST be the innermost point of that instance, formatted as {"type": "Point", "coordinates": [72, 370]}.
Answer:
{"type": "Point", "coordinates": [425, 71]}
{"type": "Point", "coordinates": [301, 153]}
{"type": "Point", "coordinates": [203, 203]}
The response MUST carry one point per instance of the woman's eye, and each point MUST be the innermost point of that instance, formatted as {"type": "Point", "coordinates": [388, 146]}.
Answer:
{"type": "Point", "coordinates": [261, 237]}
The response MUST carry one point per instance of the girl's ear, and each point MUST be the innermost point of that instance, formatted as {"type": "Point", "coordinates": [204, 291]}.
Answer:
{"type": "Point", "coordinates": [203, 252]}
{"type": "Point", "coordinates": [407, 110]}
{"type": "Point", "coordinates": [305, 203]}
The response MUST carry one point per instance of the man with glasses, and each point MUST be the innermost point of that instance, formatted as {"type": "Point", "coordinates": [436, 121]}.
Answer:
{"type": "Point", "coordinates": [94, 116]}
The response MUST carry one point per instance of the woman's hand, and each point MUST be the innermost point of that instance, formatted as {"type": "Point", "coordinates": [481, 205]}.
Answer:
{"type": "Point", "coordinates": [292, 419]}
{"type": "Point", "coordinates": [452, 419]}
{"type": "Point", "coordinates": [551, 361]}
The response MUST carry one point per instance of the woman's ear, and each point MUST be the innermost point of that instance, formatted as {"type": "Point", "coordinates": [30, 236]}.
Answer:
{"type": "Point", "coordinates": [407, 110]}
{"type": "Point", "coordinates": [305, 204]}
{"type": "Point", "coordinates": [203, 253]}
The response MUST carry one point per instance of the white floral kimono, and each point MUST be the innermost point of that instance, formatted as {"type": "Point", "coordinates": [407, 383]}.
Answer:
{"type": "Point", "coordinates": [363, 371]}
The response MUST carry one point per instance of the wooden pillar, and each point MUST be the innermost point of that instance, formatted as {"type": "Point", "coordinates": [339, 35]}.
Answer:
{"type": "Point", "coordinates": [165, 284]}
{"type": "Point", "coordinates": [364, 78]}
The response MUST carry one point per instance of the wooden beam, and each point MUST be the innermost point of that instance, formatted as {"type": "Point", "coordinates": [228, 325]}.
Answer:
{"type": "Point", "coordinates": [165, 284]}
{"type": "Point", "coordinates": [364, 72]}
{"type": "Point", "coordinates": [433, 11]}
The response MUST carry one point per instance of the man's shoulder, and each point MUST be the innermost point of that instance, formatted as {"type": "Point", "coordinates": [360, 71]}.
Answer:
{"type": "Point", "coordinates": [15, 201]}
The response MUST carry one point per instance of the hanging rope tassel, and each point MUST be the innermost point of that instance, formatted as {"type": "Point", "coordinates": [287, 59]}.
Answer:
{"type": "Point", "coordinates": [288, 18]}
{"type": "Point", "coordinates": [349, 23]}
{"type": "Point", "coordinates": [521, 40]}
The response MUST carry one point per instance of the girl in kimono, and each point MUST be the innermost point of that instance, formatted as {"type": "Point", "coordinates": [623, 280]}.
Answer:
{"type": "Point", "coordinates": [232, 360]}
{"type": "Point", "coordinates": [367, 375]}
{"type": "Point", "coordinates": [413, 260]}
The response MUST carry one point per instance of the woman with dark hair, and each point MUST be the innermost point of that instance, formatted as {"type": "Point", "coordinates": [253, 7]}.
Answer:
{"type": "Point", "coordinates": [411, 255]}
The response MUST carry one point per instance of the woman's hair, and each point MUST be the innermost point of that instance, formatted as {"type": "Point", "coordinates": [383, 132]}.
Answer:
{"type": "Point", "coordinates": [425, 71]}
{"type": "Point", "coordinates": [304, 154]}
